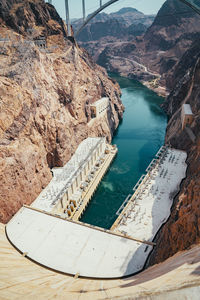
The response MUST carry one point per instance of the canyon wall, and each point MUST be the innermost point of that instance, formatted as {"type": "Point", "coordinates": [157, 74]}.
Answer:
{"type": "Point", "coordinates": [152, 56]}
{"type": "Point", "coordinates": [45, 97]}
{"type": "Point", "coordinates": [182, 230]}
{"type": "Point", "coordinates": [112, 29]}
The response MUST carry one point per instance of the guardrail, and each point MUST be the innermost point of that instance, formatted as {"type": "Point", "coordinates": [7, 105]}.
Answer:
{"type": "Point", "coordinates": [123, 205]}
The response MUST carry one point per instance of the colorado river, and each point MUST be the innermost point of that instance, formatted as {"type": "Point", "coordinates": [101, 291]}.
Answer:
{"type": "Point", "coordinates": [138, 138]}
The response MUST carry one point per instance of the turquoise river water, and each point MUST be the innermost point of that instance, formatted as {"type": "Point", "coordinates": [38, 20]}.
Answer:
{"type": "Point", "coordinates": [138, 138]}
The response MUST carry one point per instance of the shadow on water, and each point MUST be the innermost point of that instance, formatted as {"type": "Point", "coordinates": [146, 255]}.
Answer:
{"type": "Point", "coordinates": [138, 137]}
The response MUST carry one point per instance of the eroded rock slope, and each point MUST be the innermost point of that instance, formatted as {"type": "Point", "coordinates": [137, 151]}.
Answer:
{"type": "Point", "coordinates": [152, 57]}
{"type": "Point", "coordinates": [183, 227]}
{"type": "Point", "coordinates": [44, 100]}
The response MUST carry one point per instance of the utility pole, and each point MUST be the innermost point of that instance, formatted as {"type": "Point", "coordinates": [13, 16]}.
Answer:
{"type": "Point", "coordinates": [100, 3]}
{"type": "Point", "coordinates": [67, 17]}
{"type": "Point", "coordinates": [83, 5]}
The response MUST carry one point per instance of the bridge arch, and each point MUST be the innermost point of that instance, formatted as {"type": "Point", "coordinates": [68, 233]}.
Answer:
{"type": "Point", "coordinates": [96, 12]}
{"type": "Point", "coordinates": [191, 3]}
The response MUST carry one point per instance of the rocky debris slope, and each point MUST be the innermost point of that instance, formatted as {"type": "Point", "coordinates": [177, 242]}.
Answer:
{"type": "Point", "coordinates": [45, 95]}
{"type": "Point", "coordinates": [183, 227]}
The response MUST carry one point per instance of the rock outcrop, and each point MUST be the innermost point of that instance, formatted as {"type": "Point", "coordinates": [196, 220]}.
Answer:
{"type": "Point", "coordinates": [45, 96]}
{"type": "Point", "coordinates": [182, 230]}
{"type": "Point", "coordinates": [125, 23]}
{"type": "Point", "coordinates": [153, 56]}
{"type": "Point", "coordinates": [112, 30]}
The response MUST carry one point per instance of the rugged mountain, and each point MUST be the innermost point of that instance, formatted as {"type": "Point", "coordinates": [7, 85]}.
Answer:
{"type": "Point", "coordinates": [112, 29]}
{"type": "Point", "coordinates": [119, 24]}
{"type": "Point", "coordinates": [45, 93]}
{"type": "Point", "coordinates": [175, 28]}
{"type": "Point", "coordinates": [155, 54]}
{"type": "Point", "coordinates": [183, 227]}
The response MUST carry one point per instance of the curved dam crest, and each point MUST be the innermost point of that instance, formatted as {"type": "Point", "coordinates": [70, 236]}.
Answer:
{"type": "Point", "coordinates": [138, 138]}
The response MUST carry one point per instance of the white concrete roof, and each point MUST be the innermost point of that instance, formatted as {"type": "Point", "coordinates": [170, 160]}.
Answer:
{"type": "Point", "coordinates": [73, 248]}
{"type": "Point", "coordinates": [187, 109]}
{"type": "Point", "coordinates": [98, 102]}
{"type": "Point", "coordinates": [151, 206]}
{"type": "Point", "coordinates": [63, 176]}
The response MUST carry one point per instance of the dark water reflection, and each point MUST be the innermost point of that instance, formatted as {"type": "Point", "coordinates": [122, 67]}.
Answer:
{"type": "Point", "coordinates": [138, 138]}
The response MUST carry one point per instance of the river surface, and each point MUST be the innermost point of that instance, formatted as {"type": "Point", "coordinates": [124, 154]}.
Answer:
{"type": "Point", "coordinates": [138, 138]}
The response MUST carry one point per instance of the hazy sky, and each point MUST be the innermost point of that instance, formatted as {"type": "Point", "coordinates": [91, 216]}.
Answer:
{"type": "Point", "coordinates": [75, 6]}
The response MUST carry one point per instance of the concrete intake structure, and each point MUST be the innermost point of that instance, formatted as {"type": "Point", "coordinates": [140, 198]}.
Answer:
{"type": "Point", "coordinates": [187, 116]}
{"type": "Point", "coordinates": [99, 107]}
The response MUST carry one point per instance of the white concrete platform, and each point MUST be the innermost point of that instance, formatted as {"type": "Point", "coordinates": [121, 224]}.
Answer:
{"type": "Point", "coordinates": [72, 248]}
{"type": "Point", "coordinates": [63, 177]}
{"type": "Point", "coordinates": [150, 205]}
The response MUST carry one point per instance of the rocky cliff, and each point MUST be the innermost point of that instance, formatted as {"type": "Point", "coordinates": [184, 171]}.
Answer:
{"type": "Point", "coordinates": [152, 57]}
{"type": "Point", "coordinates": [112, 29]}
{"type": "Point", "coordinates": [122, 24]}
{"type": "Point", "coordinates": [46, 86]}
{"type": "Point", "coordinates": [183, 227]}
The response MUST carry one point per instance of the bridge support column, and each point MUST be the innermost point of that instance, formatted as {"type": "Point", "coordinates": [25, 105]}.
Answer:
{"type": "Point", "coordinates": [83, 5]}
{"type": "Point", "coordinates": [67, 17]}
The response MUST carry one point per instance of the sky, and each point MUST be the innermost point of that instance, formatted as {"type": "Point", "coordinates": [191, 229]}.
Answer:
{"type": "Point", "coordinates": [75, 6]}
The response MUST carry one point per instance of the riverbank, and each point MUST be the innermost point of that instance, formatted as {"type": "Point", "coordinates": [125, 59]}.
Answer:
{"type": "Point", "coordinates": [158, 89]}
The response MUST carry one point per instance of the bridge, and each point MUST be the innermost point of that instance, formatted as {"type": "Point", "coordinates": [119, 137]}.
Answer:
{"type": "Point", "coordinates": [194, 4]}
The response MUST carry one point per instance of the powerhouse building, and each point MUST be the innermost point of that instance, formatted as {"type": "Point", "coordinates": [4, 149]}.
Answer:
{"type": "Point", "coordinates": [64, 193]}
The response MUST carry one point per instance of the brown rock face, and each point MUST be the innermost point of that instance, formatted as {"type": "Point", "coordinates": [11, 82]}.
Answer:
{"type": "Point", "coordinates": [155, 54]}
{"type": "Point", "coordinates": [22, 15]}
{"type": "Point", "coordinates": [128, 22]}
{"type": "Point", "coordinates": [44, 101]}
{"type": "Point", "coordinates": [183, 227]}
